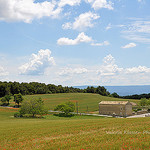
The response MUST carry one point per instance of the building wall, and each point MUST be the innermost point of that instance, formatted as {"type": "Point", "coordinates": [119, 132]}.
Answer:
{"type": "Point", "coordinates": [120, 110]}
{"type": "Point", "coordinates": [128, 109]}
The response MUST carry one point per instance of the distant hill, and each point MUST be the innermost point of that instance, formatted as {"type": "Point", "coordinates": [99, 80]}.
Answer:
{"type": "Point", "coordinates": [124, 90]}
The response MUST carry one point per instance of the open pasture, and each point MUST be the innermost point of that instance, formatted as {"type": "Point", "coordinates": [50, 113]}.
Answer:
{"type": "Point", "coordinates": [76, 133]}
{"type": "Point", "coordinates": [84, 100]}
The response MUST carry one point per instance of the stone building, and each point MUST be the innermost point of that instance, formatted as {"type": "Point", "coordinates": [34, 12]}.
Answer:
{"type": "Point", "coordinates": [118, 108]}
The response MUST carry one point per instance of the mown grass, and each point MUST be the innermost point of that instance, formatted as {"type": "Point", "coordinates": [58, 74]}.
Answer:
{"type": "Point", "coordinates": [75, 133]}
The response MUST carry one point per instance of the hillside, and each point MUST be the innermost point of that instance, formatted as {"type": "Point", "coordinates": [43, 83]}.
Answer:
{"type": "Point", "coordinates": [76, 133]}
{"type": "Point", "coordinates": [83, 99]}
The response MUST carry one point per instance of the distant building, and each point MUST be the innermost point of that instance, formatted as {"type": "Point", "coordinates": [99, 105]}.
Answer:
{"type": "Point", "coordinates": [119, 108]}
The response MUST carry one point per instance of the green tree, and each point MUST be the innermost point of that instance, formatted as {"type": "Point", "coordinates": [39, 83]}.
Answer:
{"type": "Point", "coordinates": [66, 108]}
{"type": "Point", "coordinates": [18, 98]}
{"type": "Point", "coordinates": [33, 107]}
{"type": "Point", "coordinates": [5, 100]}
{"type": "Point", "coordinates": [143, 102]}
{"type": "Point", "coordinates": [8, 98]}
{"type": "Point", "coordinates": [115, 95]}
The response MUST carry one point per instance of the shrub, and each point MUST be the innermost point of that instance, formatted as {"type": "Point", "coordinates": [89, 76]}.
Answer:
{"type": "Point", "coordinates": [66, 108]}
{"type": "Point", "coordinates": [33, 107]}
{"type": "Point", "coordinates": [17, 115]}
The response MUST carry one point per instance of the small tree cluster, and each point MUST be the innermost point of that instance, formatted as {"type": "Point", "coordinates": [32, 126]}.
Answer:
{"type": "Point", "coordinates": [33, 107]}
{"type": "Point", "coordinates": [18, 98]}
{"type": "Point", "coordinates": [145, 102]}
{"type": "Point", "coordinates": [5, 100]}
{"type": "Point", "coordinates": [66, 108]}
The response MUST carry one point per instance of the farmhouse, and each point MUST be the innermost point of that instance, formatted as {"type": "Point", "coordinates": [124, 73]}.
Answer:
{"type": "Point", "coordinates": [119, 108]}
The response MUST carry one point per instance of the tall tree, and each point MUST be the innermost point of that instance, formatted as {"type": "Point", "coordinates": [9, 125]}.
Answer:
{"type": "Point", "coordinates": [18, 98]}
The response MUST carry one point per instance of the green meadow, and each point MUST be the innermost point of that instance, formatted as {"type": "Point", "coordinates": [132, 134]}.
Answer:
{"type": "Point", "coordinates": [75, 133]}
{"type": "Point", "coordinates": [83, 99]}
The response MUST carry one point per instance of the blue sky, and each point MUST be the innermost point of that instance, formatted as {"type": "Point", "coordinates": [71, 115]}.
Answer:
{"type": "Point", "coordinates": [75, 42]}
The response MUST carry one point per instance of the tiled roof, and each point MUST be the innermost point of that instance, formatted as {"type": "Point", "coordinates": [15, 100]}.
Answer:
{"type": "Point", "coordinates": [115, 102]}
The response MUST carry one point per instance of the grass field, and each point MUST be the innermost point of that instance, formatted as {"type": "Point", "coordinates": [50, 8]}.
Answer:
{"type": "Point", "coordinates": [76, 133]}
{"type": "Point", "coordinates": [83, 99]}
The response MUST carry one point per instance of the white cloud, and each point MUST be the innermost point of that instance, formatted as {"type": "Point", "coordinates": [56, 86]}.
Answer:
{"type": "Point", "coordinates": [138, 30]}
{"type": "Point", "coordinates": [105, 43]}
{"type": "Point", "coordinates": [139, 69]}
{"type": "Point", "coordinates": [81, 38]}
{"type": "Point", "coordinates": [3, 72]}
{"type": "Point", "coordinates": [62, 3]}
{"type": "Point", "coordinates": [82, 22]}
{"type": "Point", "coordinates": [72, 71]}
{"type": "Point", "coordinates": [98, 4]}
{"type": "Point", "coordinates": [38, 63]}
{"type": "Point", "coordinates": [109, 26]}
{"type": "Point", "coordinates": [109, 68]}
{"type": "Point", "coordinates": [26, 10]}
{"type": "Point", "coordinates": [130, 45]}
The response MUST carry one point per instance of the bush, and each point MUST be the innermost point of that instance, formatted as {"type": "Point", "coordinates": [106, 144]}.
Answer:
{"type": "Point", "coordinates": [17, 115]}
{"type": "Point", "coordinates": [33, 107]}
{"type": "Point", "coordinates": [66, 108]}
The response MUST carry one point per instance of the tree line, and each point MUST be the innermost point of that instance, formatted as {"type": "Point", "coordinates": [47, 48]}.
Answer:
{"type": "Point", "coordinates": [135, 96]}
{"type": "Point", "coordinates": [11, 88]}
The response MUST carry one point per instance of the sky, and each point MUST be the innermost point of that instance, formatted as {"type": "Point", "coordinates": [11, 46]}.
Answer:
{"type": "Point", "coordinates": [75, 42]}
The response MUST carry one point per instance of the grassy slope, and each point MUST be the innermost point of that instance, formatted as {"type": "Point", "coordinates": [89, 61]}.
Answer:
{"type": "Point", "coordinates": [83, 132]}
{"type": "Point", "coordinates": [79, 132]}
{"type": "Point", "coordinates": [84, 100]}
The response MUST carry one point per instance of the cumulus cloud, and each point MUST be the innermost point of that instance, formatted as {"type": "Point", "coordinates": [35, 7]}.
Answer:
{"type": "Point", "coordinates": [130, 45]}
{"type": "Point", "coordinates": [81, 38]}
{"type": "Point", "coordinates": [72, 71]}
{"type": "Point", "coordinates": [109, 68]}
{"type": "Point", "coordinates": [105, 43]}
{"type": "Point", "coordinates": [98, 4]}
{"type": "Point", "coordinates": [82, 22]}
{"type": "Point", "coordinates": [38, 63]}
{"type": "Point", "coordinates": [139, 69]}
{"type": "Point", "coordinates": [62, 3]}
{"type": "Point", "coordinates": [3, 72]}
{"type": "Point", "coordinates": [27, 10]}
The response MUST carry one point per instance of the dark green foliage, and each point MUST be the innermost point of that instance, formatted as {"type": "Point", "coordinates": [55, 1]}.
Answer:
{"type": "Point", "coordinates": [5, 100]}
{"type": "Point", "coordinates": [115, 95]}
{"type": "Point", "coordinates": [8, 98]}
{"type": "Point", "coordinates": [138, 109]}
{"type": "Point", "coordinates": [98, 90]}
{"type": "Point", "coordinates": [7, 88]}
{"type": "Point", "coordinates": [11, 88]}
{"type": "Point", "coordinates": [147, 96]}
{"type": "Point", "coordinates": [17, 115]}
{"type": "Point", "coordinates": [65, 108]}
{"type": "Point", "coordinates": [33, 107]}
{"type": "Point", "coordinates": [18, 98]}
